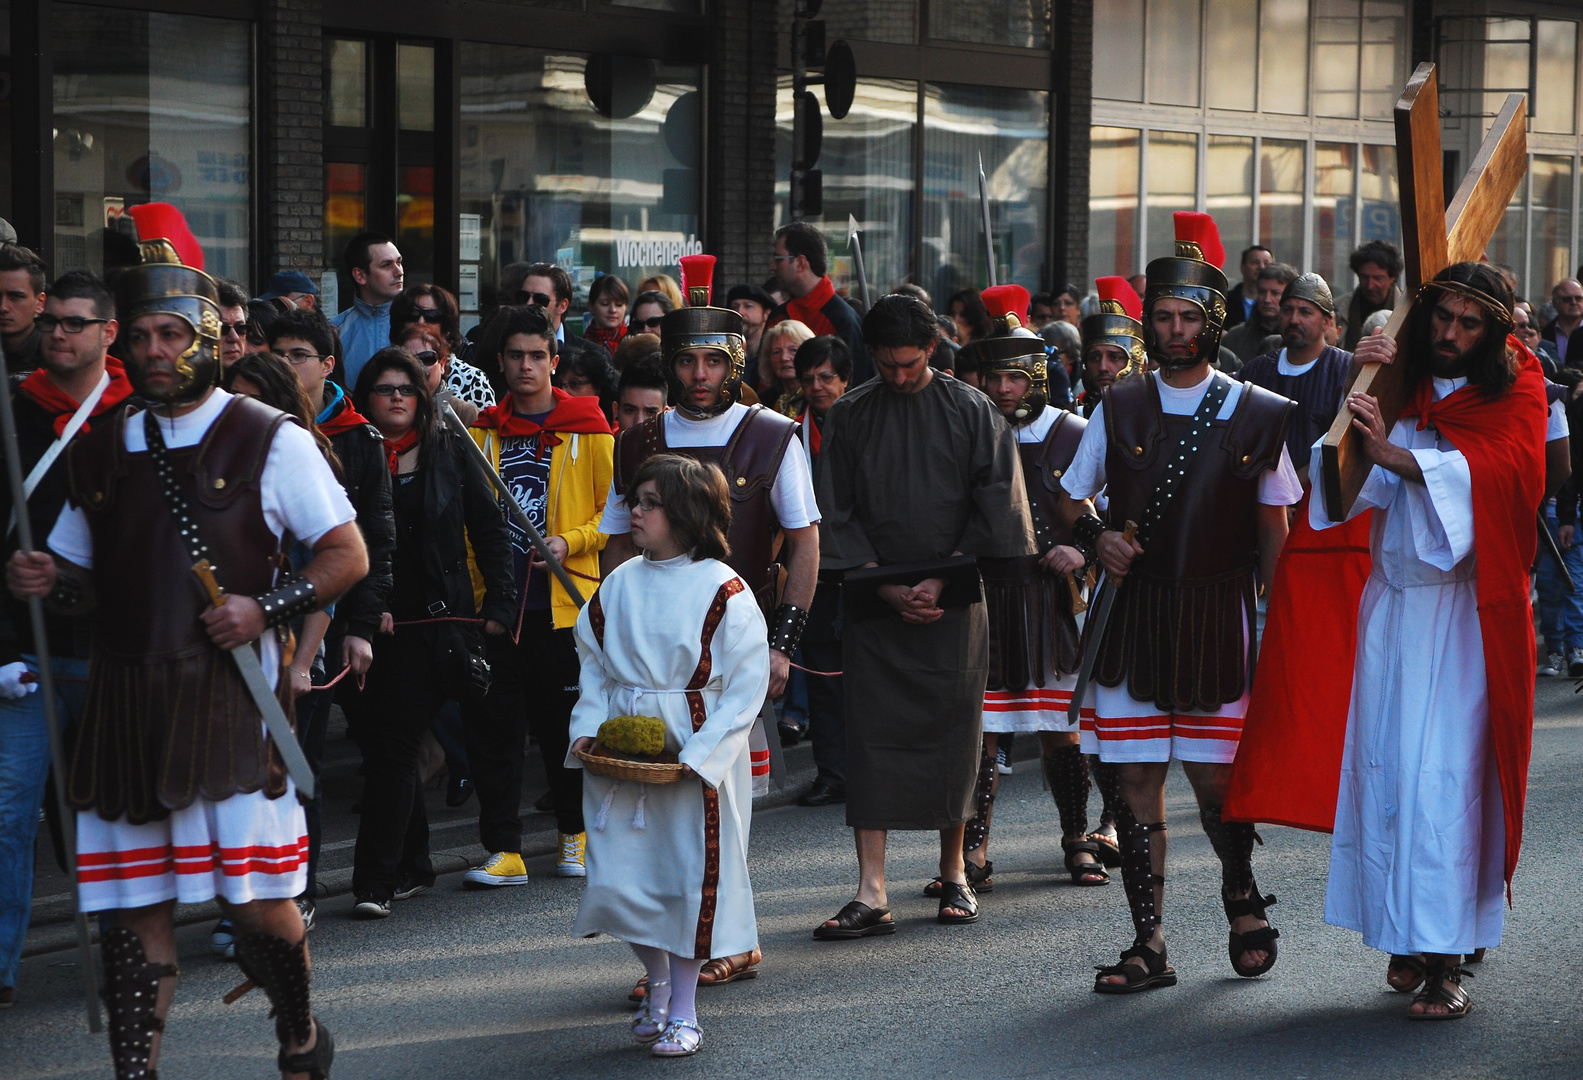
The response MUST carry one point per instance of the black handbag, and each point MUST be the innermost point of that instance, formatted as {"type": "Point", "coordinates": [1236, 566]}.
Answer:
{"type": "Point", "coordinates": [459, 662]}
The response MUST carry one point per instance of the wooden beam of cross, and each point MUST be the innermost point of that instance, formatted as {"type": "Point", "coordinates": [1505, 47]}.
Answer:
{"type": "Point", "coordinates": [1433, 237]}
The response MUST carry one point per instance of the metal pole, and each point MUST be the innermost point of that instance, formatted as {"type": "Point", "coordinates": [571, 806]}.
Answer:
{"type": "Point", "coordinates": [46, 689]}
{"type": "Point", "coordinates": [989, 236]}
{"type": "Point", "coordinates": [855, 244]}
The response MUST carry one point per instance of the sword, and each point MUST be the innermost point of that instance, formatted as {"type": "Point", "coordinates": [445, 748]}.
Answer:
{"type": "Point", "coordinates": [855, 246]}
{"type": "Point", "coordinates": [1555, 553]}
{"type": "Point", "coordinates": [46, 679]}
{"type": "Point", "coordinates": [989, 237]}
{"type": "Point", "coordinates": [475, 454]}
{"type": "Point", "coordinates": [1098, 616]}
{"type": "Point", "coordinates": [258, 689]}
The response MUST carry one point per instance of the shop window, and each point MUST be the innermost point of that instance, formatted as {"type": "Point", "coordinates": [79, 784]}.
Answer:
{"type": "Point", "coordinates": [1506, 52]}
{"type": "Point", "coordinates": [415, 86]}
{"type": "Point", "coordinates": [547, 176]}
{"type": "Point", "coordinates": [1552, 224]}
{"type": "Point", "coordinates": [1011, 130]}
{"type": "Point", "coordinates": [1173, 56]}
{"type": "Point", "coordinates": [1172, 186]}
{"type": "Point", "coordinates": [140, 129]}
{"type": "Point", "coordinates": [1382, 216]}
{"type": "Point", "coordinates": [347, 60]}
{"type": "Point", "coordinates": [1283, 56]}
{"type": "Point", "coordinates": [1229, 196]}
{"type": "Point", "coordinates": [1019, 23]}
{"type": "Point", "coordinates": [1112, 201]}
{"type": "Point", "coordinates": [1506, 246]}
{"type": "Point", "coordinates": [1383, 62]}
{"type": "Point", "coordinates": [1336, 29]}
{"type": "Point", "coordinates": [868, 164]}
{"type": "Point", "coordinates": [1233, 40]}
{"type": "Point", "coordinates": [1281, 199]}
{"type": "Point", "coordinates": [1335, 184]}
{"type": "Point", "coordinates": [345, 215]}
{"type": "Point", "coordinates": [1118, 51]}
{"type": "Point", "coordinates": [892, 21]}
{"type": "Point", "coordinates": [1555, 89]}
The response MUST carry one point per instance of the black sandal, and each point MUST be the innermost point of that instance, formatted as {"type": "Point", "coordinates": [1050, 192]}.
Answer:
{"type": "Point", "coordinates": [1411, 965]}
{"type": "Point", "coordinates": [1260, 940]}
{"type": "Point", "coordinates": [1109, 848]}
{"type": "Point", "coordinates": [1156, 973]}
{"type": "Point", "coordinates": [856, 920]}
{"type": "Point", "coordinates": [954, 894]}
{"type": "Point", "coordinates": [1443, 986]}
{"type": "Point", "coordinates": [977, 876]}
{"type": "Point", "coordinates": [1083, 872]}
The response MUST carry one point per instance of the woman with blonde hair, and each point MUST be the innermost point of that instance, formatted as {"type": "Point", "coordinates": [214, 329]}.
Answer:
{"type": "Point", "coordinates": [666, 284]}
{"type": "Point", "coordinates": [777, 374]}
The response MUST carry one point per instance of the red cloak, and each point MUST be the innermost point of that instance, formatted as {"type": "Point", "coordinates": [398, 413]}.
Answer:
{"type": "Point", "coordinates": [1288, 765]}
{"type": "Point", "coordinates": [571, 415]}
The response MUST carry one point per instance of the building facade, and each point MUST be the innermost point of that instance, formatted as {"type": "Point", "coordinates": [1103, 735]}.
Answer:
{"type": "Point", "coordinates": [614, 137]}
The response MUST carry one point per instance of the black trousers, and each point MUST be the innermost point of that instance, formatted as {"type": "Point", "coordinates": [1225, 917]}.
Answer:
{"type": "Point", "coordinates": [313, 720]}
{"type": "Point", "coordinates": [532, 688]}
{"type": "Point", "coordinates": [402, 695]}
{"type": "Point", "coordinates": [821, 651]}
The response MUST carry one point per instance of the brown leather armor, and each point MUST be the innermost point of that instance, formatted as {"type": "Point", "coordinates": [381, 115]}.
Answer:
{"type": "Point", "coordinates": [750, 459]}
{"type": "Point", "coordinates": [1033, 637]}
{"type": "Point", "coordinates": [1176, 634]}
{"type": "Point", "coordinates": [168, 718]}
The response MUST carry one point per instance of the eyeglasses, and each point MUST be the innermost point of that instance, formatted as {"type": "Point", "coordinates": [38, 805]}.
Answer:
{"type": "Point", "coordinates": [781, 258]}
{"type": "Point", "coordinates": [301, 356]}
{"type": "Point", "coordinates": [537, 298]}
{"type": "Point", "coordinates": [386, 390]}
{"type": "Point", "coordinates": [823, 378]}
{"type": "Point", "coordinates": [649, 324]}
{"type": "Point", "coordinates": [426, 314]}
{"type": "Point", "coordinates": [238, 329]}
{"type": "Point", "coordinates": [647, 503]}
{"type": "Point", "coordinates": [428, 357]}
{"type": "Point", "coordinates": [71, 324]}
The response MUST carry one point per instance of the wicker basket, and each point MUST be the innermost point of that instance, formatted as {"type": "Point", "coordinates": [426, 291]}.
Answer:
{"type": "Point", "coordinates": [642, 772]}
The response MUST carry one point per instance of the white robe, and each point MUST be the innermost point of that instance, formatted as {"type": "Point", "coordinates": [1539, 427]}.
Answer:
{"type": "Point", "coordinates": [653, 848]}
{"type": "Point", "coordinates": [1417, 857]}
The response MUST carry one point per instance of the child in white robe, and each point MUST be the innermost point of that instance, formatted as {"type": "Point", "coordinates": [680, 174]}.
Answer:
{"type": "Point", "coordinates": [674, 634]}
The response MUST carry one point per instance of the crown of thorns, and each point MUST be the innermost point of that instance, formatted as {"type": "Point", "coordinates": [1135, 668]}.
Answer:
{"type": "Point", "coordinates": [1472, 292]}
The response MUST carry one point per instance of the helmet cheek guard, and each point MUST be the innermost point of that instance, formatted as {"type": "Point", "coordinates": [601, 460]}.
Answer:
{"type": "Point", "coordinates": [699, 326]}
{"type": "Point", "coordinates": [162, 285]}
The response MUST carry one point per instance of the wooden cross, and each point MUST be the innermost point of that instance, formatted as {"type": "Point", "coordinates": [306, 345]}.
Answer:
{"type": "Point", "coordinates": [1433, 237]}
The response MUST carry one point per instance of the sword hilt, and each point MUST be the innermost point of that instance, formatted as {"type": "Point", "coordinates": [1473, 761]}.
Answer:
{"type": "Point", "coordinates": [205, 574]}
{"type": "Point", "coordinates": [1130, 532]}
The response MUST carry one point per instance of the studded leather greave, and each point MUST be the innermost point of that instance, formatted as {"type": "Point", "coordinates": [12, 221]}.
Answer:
{"type": "Point", "coordinates": [1137, 869]}
{"type": "Point", "coordinates": [1107, 778]}
{"type": "Point", "coordinates": [131, 996]}
{"type": "Point", "coordinates": [977, 830]}
{"type": "Point", "coordinates": [1233, 842]}
{"type": "Point", "coordinates": [282, 970]}
{"type": "Point", "coordinates": [1066, 770]}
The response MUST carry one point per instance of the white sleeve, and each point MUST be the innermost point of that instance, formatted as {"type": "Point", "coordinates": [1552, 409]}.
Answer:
{"type": "Point", "coordinates": [1556, 425]}
{"type": "Point", "coordinates": [1441, 509]}
{"type": "Point", "coordinates": [1378, 489]}
{"type": "Point", "coordinates": [298, 490]}
{"type": "Point", "coordinates": [1280, 486]}
{"type": "Point", "coordinates": [71, 538]}
{"type": "Point", "coordinates": [594, 687]}
{"type": "Point", "coordinates": [792, 493]}
{"type": "Point", "coordinates": [1085, 477]}
{"type": "Point", "coordinates": [616, 520]}
{"type": "Point", "coordinates": [744, 668]}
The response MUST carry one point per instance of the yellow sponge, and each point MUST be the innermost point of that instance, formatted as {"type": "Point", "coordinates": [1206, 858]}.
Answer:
{"type": "Point", "coordinates": [644, 735]}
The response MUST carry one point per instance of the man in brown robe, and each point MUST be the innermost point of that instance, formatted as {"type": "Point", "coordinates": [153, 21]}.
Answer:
{"type": "Point", "coordinates": [915, 466]}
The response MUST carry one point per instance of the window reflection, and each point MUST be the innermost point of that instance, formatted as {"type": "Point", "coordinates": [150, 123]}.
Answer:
{"type": "Point", "coordinates": [348, 81]}
{"type": "Point", "coordinates": [1118, 51]}
{"type": "Point", "coordinates": [1283, 56]}
{"type": "Point", "coordinates": [1335, 178]}
{"type": "Point", "coordinates": [1382, 216]}
{"type": "Point", "coordinates": [1173, 186]}
{"type": "Point", "coordinates": [1173, 52]}
{"type": "Point", "coordinates": [1112, 201]}
{"type": "Point", "coordinates": [415, 86]}
{"type": "Point", "coordinates": [1019, 23]}
{"type": "Point", "coordinates": [1233, 41]}
{"type": "Point", "coordinates": [1230, 194]}
{"type": "Point", "coordinates": [1281, 199]}
{"type": "Point", "coordinates": [1552, 224]}
{"type": "Point", "coordinates": [1555, 89]}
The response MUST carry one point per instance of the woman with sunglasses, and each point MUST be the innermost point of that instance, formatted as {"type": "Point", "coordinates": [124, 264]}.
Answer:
{"type": "Point", "coordinates": [433, 309]}
{"type": "Point", "coordinates": [607, 308]}
{"type": "Point", "coordinates": [430, 635]}
{"type": "Point", "coordinates": [647, 311]}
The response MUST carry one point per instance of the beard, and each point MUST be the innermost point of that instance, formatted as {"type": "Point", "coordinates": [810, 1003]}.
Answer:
{"type": "Point", "coordinates": [1447, 365]}
{"type": "Point", "coordinates": [1295, 339]}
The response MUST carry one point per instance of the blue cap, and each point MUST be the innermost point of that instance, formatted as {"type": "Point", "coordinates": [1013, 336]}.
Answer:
{"type": "Point", "coordinates": [290, 281]}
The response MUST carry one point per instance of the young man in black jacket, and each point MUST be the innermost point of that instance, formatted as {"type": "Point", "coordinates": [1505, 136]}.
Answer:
{"type": "Point", "coordinates": [309, 344]}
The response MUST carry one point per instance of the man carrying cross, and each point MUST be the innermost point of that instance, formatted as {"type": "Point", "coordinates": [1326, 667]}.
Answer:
{"type": "Point", "coordinates": [1200, 463]}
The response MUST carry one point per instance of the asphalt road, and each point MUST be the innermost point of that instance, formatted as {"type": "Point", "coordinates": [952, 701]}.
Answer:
{"type": "Point", "coordinates": [459, 984]}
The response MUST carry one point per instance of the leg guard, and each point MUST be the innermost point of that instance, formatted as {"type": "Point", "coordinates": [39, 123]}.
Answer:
{"type": "Point", "coordinates": [1107, 777]}
{"type": "Point", "coordinates": [282, 970]}
{"type": "Point", "coordinates": [977, 830]}
{"type": "Point", "coordinates": [1233, 842]}
{"type": "Point", "coordinates": [131, 993]}
{"type": "Point", "coordinates": [1066, 770]}
{"type": "Point", "coordinates": [1137, 870]}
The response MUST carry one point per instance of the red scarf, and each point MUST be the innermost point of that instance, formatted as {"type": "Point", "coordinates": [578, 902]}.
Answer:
{"type": "Point", "coordinates": [610, 339]}
{"type": "Point", "coordinates": [345, 418]}
{"type": "Point", "coordinates": [571, 415]}
{"type": "Point", "coordinates": [811, 426]}
{"type": "Point", "coordinates": [394, 448]}
{"type": "Point", "coordinates": [809, 310]}
{"type": "Point", "coordinates": [1276, 778]}
{"type": "Point", "coordinates": [47, 395]}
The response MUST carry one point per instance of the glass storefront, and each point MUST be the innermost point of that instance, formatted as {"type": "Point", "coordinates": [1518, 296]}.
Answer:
{"type": "Point", "coordinates": [1113, 202]}
{"type": "Point", "coordinates": [548, 176]}
{"type": "Point", "coordinates": [137, 121]}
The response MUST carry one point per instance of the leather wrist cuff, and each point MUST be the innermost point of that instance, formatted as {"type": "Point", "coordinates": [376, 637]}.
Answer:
{"type": "Point", "coordinates": [786, 627]}
{"type": "Point", "coordinates": [1085, 535]}
{"type": "Point", "coordinates": [288, 602]}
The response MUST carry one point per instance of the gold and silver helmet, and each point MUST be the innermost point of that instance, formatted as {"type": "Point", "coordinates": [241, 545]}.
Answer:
{"type": "Point", "coordinates": [1010, 346]}
{"type": "Point", "coordinates": [169, 280]}
{"type": "Point", "coordinates": [1119, 322]}
{"type": "Point", "coordinates": [700, 326]}
{"type": "Point", "coordinates": [1193, 274]}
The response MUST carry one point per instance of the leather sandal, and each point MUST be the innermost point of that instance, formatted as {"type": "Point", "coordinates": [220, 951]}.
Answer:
{"type": "Point", "coordinates": [1408, 972]}
{"type": "Point", "coordinates": [1260, 940]}
{"type": "Point", "coordinates": [856, 920]}
{"type": "Point", "coordinates": [1443, 986]}
{"type": "Point", "coordinates": [1085, 873]}
{"type": "Point", "coordinates": [954, 894]}
{"type": "Point", "coordinates": [977, 876]}
{"type": "Point", "coordinates": [725, 969]}
{"type": "Point", "coordinates": [1155, 973]}
{"type": "Point", "coordinates": [1109, 848]}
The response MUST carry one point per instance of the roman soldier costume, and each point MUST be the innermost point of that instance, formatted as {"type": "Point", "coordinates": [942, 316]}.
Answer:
{"type": "Point", "coordinates": [1118, 323]}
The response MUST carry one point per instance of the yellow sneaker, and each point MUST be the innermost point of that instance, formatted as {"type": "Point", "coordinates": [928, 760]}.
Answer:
{"type": "Point", "coordinates": [571, 864]}
{"type": "Point", "coordinates": [503, 868]}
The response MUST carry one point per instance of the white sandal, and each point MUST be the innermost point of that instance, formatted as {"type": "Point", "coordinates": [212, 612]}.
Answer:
{"type": "Point", "coordinates": [681, 1038]}
{"type": "Point", "coordinates": [646, 1026]}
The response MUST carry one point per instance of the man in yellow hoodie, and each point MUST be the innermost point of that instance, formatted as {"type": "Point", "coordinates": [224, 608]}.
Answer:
{"type": "Point", "coordinates": [554, 452]}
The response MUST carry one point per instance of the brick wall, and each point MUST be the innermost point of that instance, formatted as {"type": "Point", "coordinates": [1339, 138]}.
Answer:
{"type": "Point", "coordinates": [740, 140]}
{"type": "Point", "coordinates": [1072, 79]}
{"type": "Point", "coordinates": [291, 126]}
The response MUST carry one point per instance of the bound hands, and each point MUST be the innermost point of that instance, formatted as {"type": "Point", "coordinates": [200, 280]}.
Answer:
{"type": "Point", "coordinates": [919, 604]}
{"type": "Point", "coordinates": [1116, 553]}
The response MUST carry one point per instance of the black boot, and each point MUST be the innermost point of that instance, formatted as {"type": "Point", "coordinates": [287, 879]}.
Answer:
{"type": "Point", "coordinates": [131, 994]}
{"type": "Point", "coordinates": [1107, 778]}
{"type": "Point", "coordinates": [1233, 843]}
{"type": "Point", "coordinates": [1139, 879]}
{"type": "Point", "coordinates": [282, 970]}
{"type": "Point", "coordinates": [1066, 771]}
{"type": "Point", "coordinates": [976, 831]}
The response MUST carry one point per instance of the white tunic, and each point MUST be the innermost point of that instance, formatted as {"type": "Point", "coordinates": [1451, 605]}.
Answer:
{"type": "Point", "coordinates": [667, 864]}
{"type": "Point", "coordinates": [1417, 858]}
